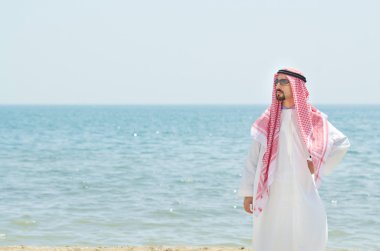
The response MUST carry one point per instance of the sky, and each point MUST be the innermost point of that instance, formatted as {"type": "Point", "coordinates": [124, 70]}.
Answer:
{"type": "Point", "coordinates": [186, 52]}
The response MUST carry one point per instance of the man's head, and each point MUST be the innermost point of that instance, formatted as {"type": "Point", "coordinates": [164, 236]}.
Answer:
{"type": "Point", "coordinates": [283, 88]}
{"type": "Point", "coordinates": [289, 83]}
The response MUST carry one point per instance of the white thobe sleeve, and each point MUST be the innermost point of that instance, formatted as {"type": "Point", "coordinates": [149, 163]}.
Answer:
{"type": "Point", "coordinates": [249, 170]}
{"type": "Point", "coordinates": [339, 149]}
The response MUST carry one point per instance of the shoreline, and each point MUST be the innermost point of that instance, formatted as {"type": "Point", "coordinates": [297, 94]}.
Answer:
{"type": "Point", "coordinates": [131, 248]}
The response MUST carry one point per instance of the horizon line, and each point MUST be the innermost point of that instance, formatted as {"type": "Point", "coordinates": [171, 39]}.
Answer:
{"type": "Point", "coordinates": [161, 104]}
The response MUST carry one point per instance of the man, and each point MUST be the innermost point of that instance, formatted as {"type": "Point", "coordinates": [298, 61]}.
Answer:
{"type": "Point", "coordinates": [293, 147]}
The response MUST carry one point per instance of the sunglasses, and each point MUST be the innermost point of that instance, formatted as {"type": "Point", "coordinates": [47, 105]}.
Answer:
{"type": "Point", "coordinates": [281, 81]}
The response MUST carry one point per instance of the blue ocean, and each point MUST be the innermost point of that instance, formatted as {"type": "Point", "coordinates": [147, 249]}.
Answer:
{"type": "Point", "coordinates": [162, 175]}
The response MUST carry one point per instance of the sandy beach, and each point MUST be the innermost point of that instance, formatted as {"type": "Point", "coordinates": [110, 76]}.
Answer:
{"type": "Point", "coordinates": [124, 248]}
{"type": "Point", "coordinates": [131, 248]}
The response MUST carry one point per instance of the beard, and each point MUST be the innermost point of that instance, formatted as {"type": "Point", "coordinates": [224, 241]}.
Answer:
{"type": "Point", "coordinates": [280, 96]}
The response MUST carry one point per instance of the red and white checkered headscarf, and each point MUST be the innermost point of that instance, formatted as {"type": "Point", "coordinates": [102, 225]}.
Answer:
{"type": "Point", "coordinates": [313, 127]}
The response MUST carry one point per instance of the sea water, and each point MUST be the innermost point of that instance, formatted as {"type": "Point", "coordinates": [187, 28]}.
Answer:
{"type": "Point", "coordinates": [162, 175]}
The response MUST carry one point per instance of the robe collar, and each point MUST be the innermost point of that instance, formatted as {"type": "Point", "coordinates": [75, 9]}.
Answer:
{"type": "Point", "coordinates": [283, 107]}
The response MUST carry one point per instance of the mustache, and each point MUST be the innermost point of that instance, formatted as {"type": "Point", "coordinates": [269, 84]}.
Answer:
{"type": "Point", "coordinates": [279, 90]}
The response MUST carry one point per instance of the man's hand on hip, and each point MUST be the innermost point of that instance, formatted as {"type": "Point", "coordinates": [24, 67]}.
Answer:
{"type": "Point", "coordinates": [247, 202]}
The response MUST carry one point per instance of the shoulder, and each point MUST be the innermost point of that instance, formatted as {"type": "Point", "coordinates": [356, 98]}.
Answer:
{"type": "Point", "coordinates": [317, 111]}
{"type": "Point", "coordinates": [332, 129]}
{"type": "Point", "coordinates": [324, 115]}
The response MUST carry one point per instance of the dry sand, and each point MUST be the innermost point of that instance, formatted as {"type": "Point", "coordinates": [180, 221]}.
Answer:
{"type": "Point", "coordinates": [122, 248]}
{"type": "Point", "coordinates": [130, 248]}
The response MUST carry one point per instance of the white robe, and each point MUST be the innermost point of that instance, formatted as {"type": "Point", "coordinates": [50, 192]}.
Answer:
{"type": "Point", "coordinates": [294, 218]}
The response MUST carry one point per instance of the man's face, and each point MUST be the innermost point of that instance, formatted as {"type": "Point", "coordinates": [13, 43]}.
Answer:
{"type": "Point", "coordinates": [283, 91]}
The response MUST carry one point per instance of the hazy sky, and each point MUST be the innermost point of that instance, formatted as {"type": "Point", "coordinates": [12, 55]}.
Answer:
{"type": "Point", "coordinates": [182, 52]}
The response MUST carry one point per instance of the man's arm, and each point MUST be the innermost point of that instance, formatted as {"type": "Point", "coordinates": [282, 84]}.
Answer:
{"type": "Point", "coordinates": [339, 149]}
{"type": "Point", "coordinates": [249, 171]}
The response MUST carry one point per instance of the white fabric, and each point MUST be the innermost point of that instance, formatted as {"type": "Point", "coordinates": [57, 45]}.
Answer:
{"type": "Point", "coordinates": [294, 217]}
{"type": "Point", "coordinates": [338, 146]}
